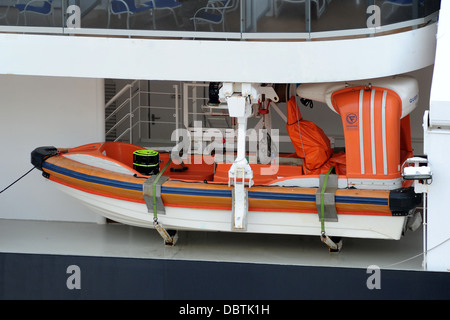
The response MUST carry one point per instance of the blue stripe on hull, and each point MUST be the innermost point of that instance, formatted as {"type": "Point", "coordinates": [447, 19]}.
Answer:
{"type": "Point", "coordinates": [93, 179]}
{"type": "Point", "coordinates": [271, 196]}
{"type": "Point", "coordinates": [196, 192]}
{"type": "Point", "coordinates": [362, 200]}
{"type": "Point", "coordinates": [210, 192]}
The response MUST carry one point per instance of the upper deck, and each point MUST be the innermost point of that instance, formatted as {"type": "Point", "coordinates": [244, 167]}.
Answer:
{"type": "Point", "coordinates": [260, 41]}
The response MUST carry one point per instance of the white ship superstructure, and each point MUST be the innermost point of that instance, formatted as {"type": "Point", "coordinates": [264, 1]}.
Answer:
{"type": "Point", "coordinates": [75, 72]}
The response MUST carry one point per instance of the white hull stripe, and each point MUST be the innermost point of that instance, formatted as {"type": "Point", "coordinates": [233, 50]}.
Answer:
{"type": "Point", "coordinates": [383, 128]}
{"type": "Point", "coordinates": [372, 130]}
{"type": "Point", "coordinates": [361, 135]}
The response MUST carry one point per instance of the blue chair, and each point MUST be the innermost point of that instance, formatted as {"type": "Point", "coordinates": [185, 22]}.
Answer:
{"type": "Point", "coordinates": [170, 5]}
{"type": "Point", "coordinates": [128, 7]}
{"type": "Point", "coordinates": [42, 7]}
{"type": "Point", "coordinates": [213, 13]}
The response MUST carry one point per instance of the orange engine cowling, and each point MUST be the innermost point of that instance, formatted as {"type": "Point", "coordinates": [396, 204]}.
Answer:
{"type": "Point", "coordinates": [376, 139]}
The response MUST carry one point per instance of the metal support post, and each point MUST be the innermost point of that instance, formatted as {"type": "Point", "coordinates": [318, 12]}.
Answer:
{"type": "Point", "coordinates": [239, 98]}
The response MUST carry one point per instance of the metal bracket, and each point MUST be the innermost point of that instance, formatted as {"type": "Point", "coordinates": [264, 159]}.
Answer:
{"type": "Point", "coordinates": [419, 173]}
{"type": "Point", "coordinates": [170, 237]}
{"type": "Point", "coordinates": [334, 245]}
{"type": "Point", "coordinates": [330, 213]}
{"type": "Point", "coordinates": [240, 207]}
{"type": "Point", "coordinates": [148, 194]}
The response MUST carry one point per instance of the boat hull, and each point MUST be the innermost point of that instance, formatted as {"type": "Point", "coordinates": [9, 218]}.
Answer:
{"type": "Point", "coordinates": [289, 205]}
{"type": "Point", "coordinates": [293, 223]}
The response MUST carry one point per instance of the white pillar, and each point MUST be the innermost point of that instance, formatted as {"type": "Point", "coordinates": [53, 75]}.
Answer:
{"type": "Point", "coordinates": [437, 147]}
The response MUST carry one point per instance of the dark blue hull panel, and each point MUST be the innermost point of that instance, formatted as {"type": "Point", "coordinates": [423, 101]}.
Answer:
{"type": "Point", "coordinates": [43, 276]}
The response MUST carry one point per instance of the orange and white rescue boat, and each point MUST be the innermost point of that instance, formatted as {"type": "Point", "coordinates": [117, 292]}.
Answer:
{"type": "Point", "coordinates": [357, 193]}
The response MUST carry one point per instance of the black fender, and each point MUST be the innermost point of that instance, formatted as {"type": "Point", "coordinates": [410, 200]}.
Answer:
{"type": "Point", "coordinates": [39, 155]}
{"type": "Point", "coordinates": [402, 200]}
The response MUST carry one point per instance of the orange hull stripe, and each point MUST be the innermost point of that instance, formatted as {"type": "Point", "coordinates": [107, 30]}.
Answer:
{"type": "Point", "coordinates": [94, 192]}
{"type": "Point", "coordinates": [224, 202]}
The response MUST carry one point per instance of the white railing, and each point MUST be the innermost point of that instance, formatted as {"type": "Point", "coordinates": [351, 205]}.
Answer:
{"type": "Point", "coordinates": [129, 112]}
{"type": "Point", "coordinates": [242, 32]}
{"type": "Point", "coordinates": [127, 102]}
{"type": "Point", "coordinates": [173, 112]}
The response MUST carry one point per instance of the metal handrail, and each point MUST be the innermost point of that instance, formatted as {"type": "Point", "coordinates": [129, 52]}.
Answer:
{"type": "Point", "coordinates": [123, 133]}
{"type": "Point", "coordinates": [118, 94]}
{"type": "Point", "coordinates": [135, 107]}
{"type": "Point", "coordinates": [128, 101]}
{"type": "Point", "coordinates": [118, 123]}
{"type": "Point", "coordinates": [241, 35]}
{"type": "Point", "coordinates": [118, 108]}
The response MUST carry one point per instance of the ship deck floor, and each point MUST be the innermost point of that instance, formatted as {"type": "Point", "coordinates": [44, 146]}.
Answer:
{"type": "Point", "coordinates": [117, 240]}
{"type": "Point", "coordinates": [44, 260]}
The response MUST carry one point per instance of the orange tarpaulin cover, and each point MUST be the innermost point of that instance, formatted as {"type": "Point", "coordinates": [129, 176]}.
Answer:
{"type": "Point", "coordinates": [311, 144]}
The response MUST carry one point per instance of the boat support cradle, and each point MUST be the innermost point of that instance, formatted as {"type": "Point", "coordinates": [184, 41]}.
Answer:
{"type": "Point", "coordinates": [325, 201]}
{"type": "Point", "coordinates": [170, 237]}
{"type": "Point", "coordinates": [334, 244]}
{"type": "Point", "coordinates": [155, 205]}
